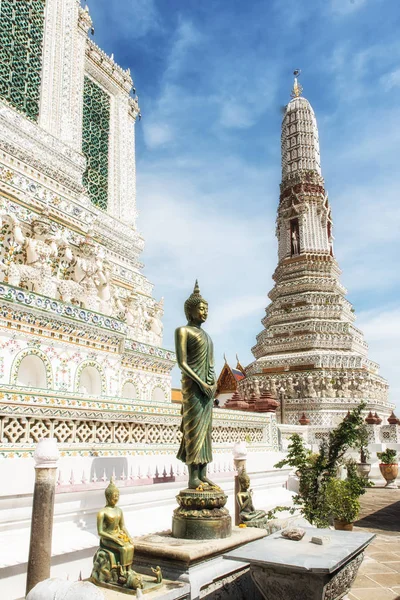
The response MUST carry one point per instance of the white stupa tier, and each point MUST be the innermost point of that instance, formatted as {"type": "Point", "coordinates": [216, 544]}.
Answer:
{"type": "Point", "coordinates": [309, 354]}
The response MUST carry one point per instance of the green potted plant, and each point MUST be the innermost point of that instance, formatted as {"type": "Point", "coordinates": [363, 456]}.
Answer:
{"type": "Point", "coordinates": [343, 503]}
{"type": "Point", "coordinates": [389, 467]}
{"type": "Point", "coordinates": [316, 470]}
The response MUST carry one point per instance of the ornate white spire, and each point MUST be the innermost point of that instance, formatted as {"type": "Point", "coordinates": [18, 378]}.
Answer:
{"type": "Point", "coordinates": [309, 349]}
{"type": "Point", "coordinates": [299, 140]}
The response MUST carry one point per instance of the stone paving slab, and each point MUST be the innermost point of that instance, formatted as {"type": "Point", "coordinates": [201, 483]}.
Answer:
{"type": "Point", "coordinates": [379, 574]}
{"type": "Point", "coordinates": [372, 595]}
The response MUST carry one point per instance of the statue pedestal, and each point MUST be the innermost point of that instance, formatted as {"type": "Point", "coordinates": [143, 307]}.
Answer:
{"type": "Point", "coordinates": [201, 564]}
{"type": "Point", "coordinates": [169, 590]}
{"type": "Point", "coordinates": [201, 515]}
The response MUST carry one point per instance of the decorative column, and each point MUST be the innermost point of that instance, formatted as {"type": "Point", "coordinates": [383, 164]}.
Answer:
{"type": "Point", "coordinates": [66, 28]}
{"type": "Point", "coordinates": [239, 459]}
{"type": "Point", "coordinates": [46, 457]}
{"type": "Point", "coordinates": [123, 187]}
{"type": "Point", "coordinates": [78, 23]}
{"type": "Point", "coordinates": [282, 401]}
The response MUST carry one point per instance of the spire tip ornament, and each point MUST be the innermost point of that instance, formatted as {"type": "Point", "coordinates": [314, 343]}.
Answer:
{"type": "Point", "coordinates": [297, 88]}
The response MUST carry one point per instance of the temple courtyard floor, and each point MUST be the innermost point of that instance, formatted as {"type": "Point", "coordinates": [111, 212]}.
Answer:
{"type": "Point", "coordinates": [379, 574]}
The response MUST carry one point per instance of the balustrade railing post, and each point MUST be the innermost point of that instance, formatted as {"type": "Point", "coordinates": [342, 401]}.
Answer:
{"type": "Point", "coordinates": [46, 456]}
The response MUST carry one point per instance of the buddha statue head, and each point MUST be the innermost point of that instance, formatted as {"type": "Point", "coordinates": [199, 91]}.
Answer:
{"type": "Point", "coordinates": [196, 308]}
{"type": "Point", "coordinates": [112, 494]}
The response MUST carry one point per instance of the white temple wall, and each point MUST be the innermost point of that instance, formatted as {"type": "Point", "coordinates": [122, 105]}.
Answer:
{"type": "Point", "coordinates": [64, 365]}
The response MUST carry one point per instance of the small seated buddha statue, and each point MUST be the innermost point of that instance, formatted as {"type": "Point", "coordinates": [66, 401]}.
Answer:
{"type": "Point", "coordinates": [112, 531]}
{"type": "Point", "coordinates": [248, 515]}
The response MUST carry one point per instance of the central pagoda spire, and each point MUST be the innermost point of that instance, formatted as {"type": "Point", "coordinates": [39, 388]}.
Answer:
{"type": "Point", "coordinates": [304, 221]}
{"type": "Point", "coordinates": [309, 352]}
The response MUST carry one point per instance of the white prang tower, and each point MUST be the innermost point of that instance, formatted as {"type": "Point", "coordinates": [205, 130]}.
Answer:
{"type": "Point", "coordinates": [309, 354]}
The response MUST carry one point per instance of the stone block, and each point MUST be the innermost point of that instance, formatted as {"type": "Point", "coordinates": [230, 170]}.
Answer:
{"type": "Point", "coordinates": [283, 569]}
{"type": "Point", "coordinates": [201, 564]}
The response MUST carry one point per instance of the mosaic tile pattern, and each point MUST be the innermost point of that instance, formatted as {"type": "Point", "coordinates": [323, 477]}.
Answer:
{"type": "Point", "coordinates": [21, 39]}
{"type": "Point", "coordinates": [110, 425]}
{"type": "Point", "coordinates": [57, 307]}
{"type": "Point", "coordinates": [96, 128]}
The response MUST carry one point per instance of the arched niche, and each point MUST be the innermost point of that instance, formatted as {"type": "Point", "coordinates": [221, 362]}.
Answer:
{"type": "Point", "coordinates": [32, 368]}
{"type": "Point", "coordinates": [89, 381]}
{"type": "Point", "coordinates": [32, 372]}
{"type": "Point", "coordinates": [129, 390]}
{"type": "Point", "coordinates": [294, 237]}
{"type": "Point", "coordinates": [158, 394]}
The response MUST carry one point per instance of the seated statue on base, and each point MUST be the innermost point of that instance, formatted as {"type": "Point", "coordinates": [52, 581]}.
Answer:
{"type": "Point", "coordinates": [248, 515]}
{"type": "Point", "coordinates": [112, 563]}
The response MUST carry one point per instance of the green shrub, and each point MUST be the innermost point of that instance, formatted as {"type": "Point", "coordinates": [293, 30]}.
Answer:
{"type": "Point", "coordinates": [388, 457]}
{"type": "Point", "coordinates": [341, 500]}
{"type": "Point", "coordinates": [316, 471]}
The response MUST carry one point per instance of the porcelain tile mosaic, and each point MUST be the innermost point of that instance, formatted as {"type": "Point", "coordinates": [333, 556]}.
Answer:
{"type": "Point", "coordinates": [21, 37]}
{"type": "Point", "coordinates": [96, 128]}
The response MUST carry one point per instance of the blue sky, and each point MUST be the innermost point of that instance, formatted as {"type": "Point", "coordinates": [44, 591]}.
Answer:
{"type": "Point", "coordinates": [212, 78]}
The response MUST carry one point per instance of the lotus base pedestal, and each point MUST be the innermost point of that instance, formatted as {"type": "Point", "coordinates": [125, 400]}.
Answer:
{"type": "Point", "coordinates": [201, 515]}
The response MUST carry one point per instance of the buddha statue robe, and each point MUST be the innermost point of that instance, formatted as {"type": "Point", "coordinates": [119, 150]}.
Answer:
{"type": "Point", "coordinates": [197, 408]}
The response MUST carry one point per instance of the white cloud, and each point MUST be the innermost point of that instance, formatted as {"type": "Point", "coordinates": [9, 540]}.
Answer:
{"type": "Point", "coordinates": [391, 80]}
{"type": "Point", "coordinates": [234, 114]}
{"type": "Point", "coordinates": [196, 225]}
{"type": "Point", "coordinates": [356, 67]}
{"type": "Point", "coordinates": [195, 233]}
{"type": "Point", "coordinates": [138, 17]}
{"type": "Point", "coordinates": [241, 105]}
{"type": "Point", "coordinates": [233, 310]}
{"type": "Point", "coordinates": [174, 104]}
{"type": "Point", "coordinates": [382, 332]}
{"type": "Point", "coordinates": [292, 13]}
{"type": "Point", "coordinates": [346, 7]}
{"type": "Point", "coordinates": [186, 37]}
{"type": "Point", "coordinates": [359, 164]}
{"type": "Point", "coordinates": [134, 18]}
{"type": "Point", "coordinates": [157, 134]}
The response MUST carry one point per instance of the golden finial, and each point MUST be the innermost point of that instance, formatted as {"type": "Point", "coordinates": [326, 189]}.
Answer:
{"type": "Point", "coordinates": [297, 88]}
{"type": "Point", "coordinates": [196, 289]}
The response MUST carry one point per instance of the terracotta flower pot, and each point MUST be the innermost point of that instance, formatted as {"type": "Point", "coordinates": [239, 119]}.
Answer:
{"type": "Point", "coordinates": [389, 472]}
{"type": "Point", "coordinates": [342, 525]}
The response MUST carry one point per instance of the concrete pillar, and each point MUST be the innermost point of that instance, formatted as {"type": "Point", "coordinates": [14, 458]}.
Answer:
{"type": "Point", "coordinates": [46, 456]}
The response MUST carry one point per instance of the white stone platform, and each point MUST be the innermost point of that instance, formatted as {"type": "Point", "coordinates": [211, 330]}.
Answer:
{"type": "Point", "coordinates": [147, 509]}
